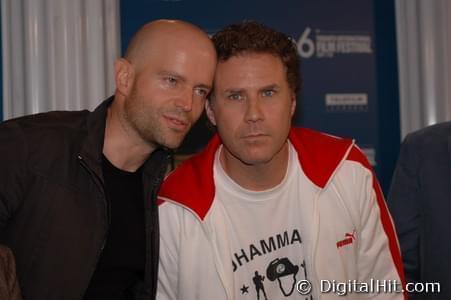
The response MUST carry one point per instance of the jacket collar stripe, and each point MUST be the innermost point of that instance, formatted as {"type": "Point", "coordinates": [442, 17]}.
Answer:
{"type": "Point", "coordinates": [387, 223]}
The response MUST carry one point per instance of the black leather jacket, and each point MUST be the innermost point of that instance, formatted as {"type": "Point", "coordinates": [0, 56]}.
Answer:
{"type": "Point", "coordinates": [53, 210]}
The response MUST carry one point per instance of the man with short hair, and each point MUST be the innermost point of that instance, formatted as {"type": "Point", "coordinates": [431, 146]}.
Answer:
{"type": "Point", "coordinates": [265, 198]}
{"type": "Point", "coordinates": [78, 189]}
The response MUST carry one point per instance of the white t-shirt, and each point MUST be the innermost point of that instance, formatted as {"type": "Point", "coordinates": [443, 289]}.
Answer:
{"type": "Point", "coordinates": [265, 234]}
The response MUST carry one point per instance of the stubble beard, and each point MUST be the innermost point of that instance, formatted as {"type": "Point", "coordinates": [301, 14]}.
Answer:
{"type": "Point", "coordinates": [145, 121]}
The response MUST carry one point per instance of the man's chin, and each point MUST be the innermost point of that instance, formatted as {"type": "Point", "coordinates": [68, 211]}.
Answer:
{"type": "Point", "coordinates": [172, 143]}
{"type": "Point", "coordinates": [255, 160]}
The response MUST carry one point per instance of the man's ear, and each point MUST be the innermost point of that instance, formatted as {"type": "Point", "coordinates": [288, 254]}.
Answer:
{"type": "Point", "coordinates": [124, 76]}
{"type": "Point", "coordinates": [209, 111]}
{"type": "Point", "coordinates": [293, 104]}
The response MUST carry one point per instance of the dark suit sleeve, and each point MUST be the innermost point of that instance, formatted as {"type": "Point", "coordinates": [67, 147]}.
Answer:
{"type": "Point", "coordinates": [12, 170]}
{"type": "Point", "coordinates": [403, 203]}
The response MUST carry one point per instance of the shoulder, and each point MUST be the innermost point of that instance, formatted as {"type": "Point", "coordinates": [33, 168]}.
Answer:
{"type": "Point", "coordinates": [177, 221]}
{"type": "Point", "coordinates": [428, 145]}
{"type": "Point", "coordinates": [42, 138]}
{"type": "Point", "coordinates": [429, 136]}
{"type": "Point", "coordinates": [319, 153]}
{"type": "Point", "coordinates": [44, 132]}
{"type": "Point", "coordinates": [354, 175]}
{"type": "Point", "coordinates": [39, 125]}
{"type": "Point", "coordinates": [191, 185]}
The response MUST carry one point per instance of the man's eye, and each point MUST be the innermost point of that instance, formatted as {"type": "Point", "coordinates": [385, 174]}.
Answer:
{"type": "Point", "coordinates": [202, 93]}
{"type": "Point", "coordinates": [268, 93]}
{"type": "Point", "coordinates": [171, 80]}
{"type": "Point", "coordinates": [235, 97]}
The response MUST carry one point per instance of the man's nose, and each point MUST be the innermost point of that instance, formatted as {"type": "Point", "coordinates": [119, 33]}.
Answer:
{"type": "Point", "coordinates": [185, 100]}
{"type": "Point", "coordinates": [254, 111]}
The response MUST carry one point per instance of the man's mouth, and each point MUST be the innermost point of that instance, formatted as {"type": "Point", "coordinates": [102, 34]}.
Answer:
{"type": "Point", "coordinates": [252, 136]}
{"type": "Point", "coordinates": [176, 122]}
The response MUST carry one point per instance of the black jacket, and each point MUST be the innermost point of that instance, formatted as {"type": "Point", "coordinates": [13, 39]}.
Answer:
{"type": "Point", "coordinates": [420, 203]}
{"type": "Point", "coordinates": [53, 210]}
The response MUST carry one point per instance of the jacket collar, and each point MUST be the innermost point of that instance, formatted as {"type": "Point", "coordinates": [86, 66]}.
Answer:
{"type": "Point", "coordinates": [192, 184]}
{"type": "Point", "coordinates": [92, 147]}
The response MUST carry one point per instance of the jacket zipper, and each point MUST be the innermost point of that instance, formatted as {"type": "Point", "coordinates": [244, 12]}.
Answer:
{"type": "Point", "coordinates": [150, 287]}
{"type": "Point", "coordinates": [101, 188]}
{"type": "Point", "coordinates": [316, 290]}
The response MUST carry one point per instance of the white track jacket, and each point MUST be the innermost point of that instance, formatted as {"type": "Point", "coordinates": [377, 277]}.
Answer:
{"type": "Point", "coordinates": [349, 233]}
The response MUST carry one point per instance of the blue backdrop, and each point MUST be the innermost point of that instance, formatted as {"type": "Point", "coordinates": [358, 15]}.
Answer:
{"type": "Point", "coordinates": [349, 62]}
{"type": "Point", "coordinates": [348, 51]}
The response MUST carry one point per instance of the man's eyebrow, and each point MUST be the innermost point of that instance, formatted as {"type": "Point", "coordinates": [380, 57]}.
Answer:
{"type": "Point", "coordinates": [183, 79]}
{"type": "Point", "coordinates": [172, 74]}
{"type": "Point", "coordinates": [273, 86]}
{"type": "Point", "coordinates": [233, 90]}
{"type": "Point", "coordinates": [203, 86]}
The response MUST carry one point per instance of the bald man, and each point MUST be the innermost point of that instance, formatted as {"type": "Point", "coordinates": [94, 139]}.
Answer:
{"type": "Point", "coordinates": [77, 189]}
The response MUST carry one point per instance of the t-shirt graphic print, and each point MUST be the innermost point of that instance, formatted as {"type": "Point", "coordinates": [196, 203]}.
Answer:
{"type": "Point", "coordinates": [264, 235]}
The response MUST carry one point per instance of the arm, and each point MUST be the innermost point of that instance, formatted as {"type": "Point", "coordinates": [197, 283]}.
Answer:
{"type": "Point", "coordinates": [12, 170]}
{"type": "Point", "coordinates": [405, 208]}
{"type": "Point", "coordinates": [378, 253]}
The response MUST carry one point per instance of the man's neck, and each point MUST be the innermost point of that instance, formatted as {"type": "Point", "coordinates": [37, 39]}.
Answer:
{"type": "Point", "coordinates": [122, 145]}
{"type": "Point", "coordinates": [256, 177]}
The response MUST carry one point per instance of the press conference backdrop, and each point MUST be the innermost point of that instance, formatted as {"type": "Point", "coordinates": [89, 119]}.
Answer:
{"type": "Point", "coordinates": [339, 50]}
{"type": "Point", "coordinates": [348, 52]}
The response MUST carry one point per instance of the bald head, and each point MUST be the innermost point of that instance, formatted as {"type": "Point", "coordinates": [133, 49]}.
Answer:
{"type": "Point", "coordinates": [157, 36]}
{"type": "Point", "coordinates": [163, 81]}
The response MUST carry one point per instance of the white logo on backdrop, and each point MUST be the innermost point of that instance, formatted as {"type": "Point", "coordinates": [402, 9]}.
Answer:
{"type": "Point", "coordinates": [346, 102]}
{"type": "Point", "coordinates": [326, 44]}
